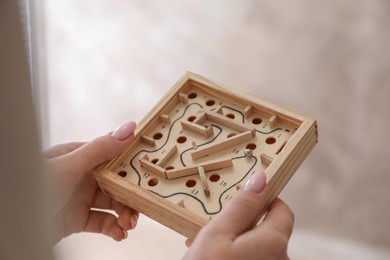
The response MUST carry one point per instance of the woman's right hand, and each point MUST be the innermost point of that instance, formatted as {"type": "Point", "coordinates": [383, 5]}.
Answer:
{"type": "Point", "coordinates": [233, 234]}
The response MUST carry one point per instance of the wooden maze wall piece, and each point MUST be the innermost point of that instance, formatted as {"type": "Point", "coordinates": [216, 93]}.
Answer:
{"type": "Point", "coordinates": [221, 145]}
{"type": "Point", "coordinates": [205, 131]}
{"type": "Point", "coordinates": [198, 146]}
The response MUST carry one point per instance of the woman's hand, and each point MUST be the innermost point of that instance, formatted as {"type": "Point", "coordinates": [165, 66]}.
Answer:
{"type": "Point", "coordinates": [80, 206]}
{"type": "Point", "coordinates": [233, 234]}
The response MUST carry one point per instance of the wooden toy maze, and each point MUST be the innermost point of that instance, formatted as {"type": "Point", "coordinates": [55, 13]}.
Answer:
{"type": "Point", "coordinates": [198, 146]}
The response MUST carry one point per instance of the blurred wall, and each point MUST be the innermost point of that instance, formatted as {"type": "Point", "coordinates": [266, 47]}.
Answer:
{"type": "Point", "coordinates": [110, 62]}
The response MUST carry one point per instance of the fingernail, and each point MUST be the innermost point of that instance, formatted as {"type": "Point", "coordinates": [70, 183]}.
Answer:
{"type": "Point", "coordinates": [123, 132]}
{"type": "Point", "coordinates": [256, 183]}
{"type": "Point", "coordinates": [134, 219]}
{"type": "Point", "coordinates": [125, 234]}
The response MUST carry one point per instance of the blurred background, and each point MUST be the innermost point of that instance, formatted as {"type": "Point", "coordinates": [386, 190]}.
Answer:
{"type": "Point", "coordinates": [108, 62]}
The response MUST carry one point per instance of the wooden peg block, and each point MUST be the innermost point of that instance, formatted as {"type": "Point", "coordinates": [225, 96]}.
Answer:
{"type": "Point", "coordinates": [197, 129]}
{"type": "Point", "coordinates": [181, 204]}
{"type": "Point", "coordinates": [183, 97]}
{"type": "Point", "coordinates": [144, 156]}
{"type": "Point", "coordinates": [273, 121]}
{"type": "Point", "coordinates": [200, 119]}
{"type": "Point", "coordinates": [170, 152]}
{"type": "Point", "coordinates": [266, 159]}
{"type": "Point", "coordinates": [218, 110]}
{"type": "Point", "coordinates": [221, 145]}
{"type": "Point", "coordinates": [209, 131]}
{"type": "Point", "coordinates": [148, 140]}
{"type": "Point", "coordinates": [165, 119]}
{"type": "Point", "coordinates": [149, 166]}
{"type": "Point", "coordinates": [248, 111]}
{"type": "Point", "coordinates": [203, 181]}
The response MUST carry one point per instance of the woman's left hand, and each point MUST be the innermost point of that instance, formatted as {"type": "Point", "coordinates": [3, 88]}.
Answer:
{"type": "Point", "coordinates": [80, 204]}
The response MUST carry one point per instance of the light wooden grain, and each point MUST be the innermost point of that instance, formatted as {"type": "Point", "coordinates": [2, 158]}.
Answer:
{"type": "Point", "coordinates": [205, 131]}
{"type": "Point", "coordinates": [266, 159]}
{"type": "Point", "coordinates": [194, 169]}
{"type": "Point", "coordinates": [248, 111]}
{"type": "Point", "coordinates": [230, 123]}
{"type": "Point", "coordinates": [153, 168]}
{"type": "Point", "coordinates": [273, 121]}
{"type": "Point", "coordinates": [203, 180]}
{"type": "Point", "coordinates": [165, 119]}
{"type": "Point", "coordinates": [211, 164]}
{"type": "Point", "coordinates": [169, 153]}
{"type": "Point", "coordinates": [148, 140]}
{"type": "Point", "coordinates": [221, 145]}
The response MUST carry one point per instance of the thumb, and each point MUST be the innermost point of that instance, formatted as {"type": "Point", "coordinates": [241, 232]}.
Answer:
{"type": "Point", "coordinates": [244, 210]}
{"type": "Point", "coordinates": [101, 149]}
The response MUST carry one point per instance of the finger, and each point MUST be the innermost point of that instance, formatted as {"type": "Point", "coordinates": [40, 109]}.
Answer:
{"type": "Point", "coordinates": [279, 218]}
{"type": "Point", "coordinates": [188, 242]}
{"type": "Point", "coordinates": [244, 209]}
{"type": "Point", "coordinates": [273, 233]}
{"type": "Point", "coordinates": [101, 149]}
{"type": "Point", "coordinates": [127, 217]}
{"type": "Point", "coordinates": [104, 223]}
{"type": "Point", "coordinates": [61, 149]}
{"type": "Point", "coordinates": [102, 201]}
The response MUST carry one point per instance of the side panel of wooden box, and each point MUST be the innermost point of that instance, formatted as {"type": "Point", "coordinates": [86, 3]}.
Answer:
{"type": "Point", "coordinates": [286, 164]}
{"type": "Point", "coordinates": [170, 215]}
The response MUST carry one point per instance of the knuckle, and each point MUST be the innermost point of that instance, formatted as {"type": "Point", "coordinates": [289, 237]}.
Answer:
{"type": "Point", "coordinates": [96, 144]}
{"type": "Point", "coordinates": [97, 147]}
{"type": "Point", "coordinates": [245, 203]}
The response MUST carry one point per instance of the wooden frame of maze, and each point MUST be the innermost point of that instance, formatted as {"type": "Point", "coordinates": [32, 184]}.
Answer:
{"type": "Point", "coordinates": [137, 181]}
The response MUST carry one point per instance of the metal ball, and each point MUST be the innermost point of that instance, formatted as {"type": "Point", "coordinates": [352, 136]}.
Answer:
{"type": "Point", "coordinates": [248, 153]}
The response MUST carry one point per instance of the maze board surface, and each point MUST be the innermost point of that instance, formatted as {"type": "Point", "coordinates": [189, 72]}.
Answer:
{"type": "Point", "coordinates": [198, 146]}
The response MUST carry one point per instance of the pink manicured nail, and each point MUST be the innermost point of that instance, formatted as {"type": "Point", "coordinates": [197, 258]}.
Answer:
{"type": "Point", "coordinates": [125, 234]}
{"type": "Point", "coordinates": [123, 132]}
{"type": "Point", "coordinates": [256, 183]}
{"type": "Point", "coordinates": [134, 219]}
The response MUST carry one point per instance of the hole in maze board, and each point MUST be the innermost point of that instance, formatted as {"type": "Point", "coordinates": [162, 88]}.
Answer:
{"type": "Point", "coordinates": [157, 136]}
{"type": "Point", "coordinates": [231, 116]}
{"type": "Point", "coordinates": [190, 183]}
{"type": "Point", "coordinates": [122, 173]}
{"type": "Point", "coordinates": [191, 118]}
{"type": "Point", "coordinates": [210, 102]}
{"type": "Point", "coordinates": [270, 140]}
{"type": "Point", "coordinates": [153, 182]}
{"type": "Point", "coordinates": [181, 139]}
{"type": "Point", "coordinates": [214, 177]}
{"type": "Point", "coordinates": [192, 95]}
